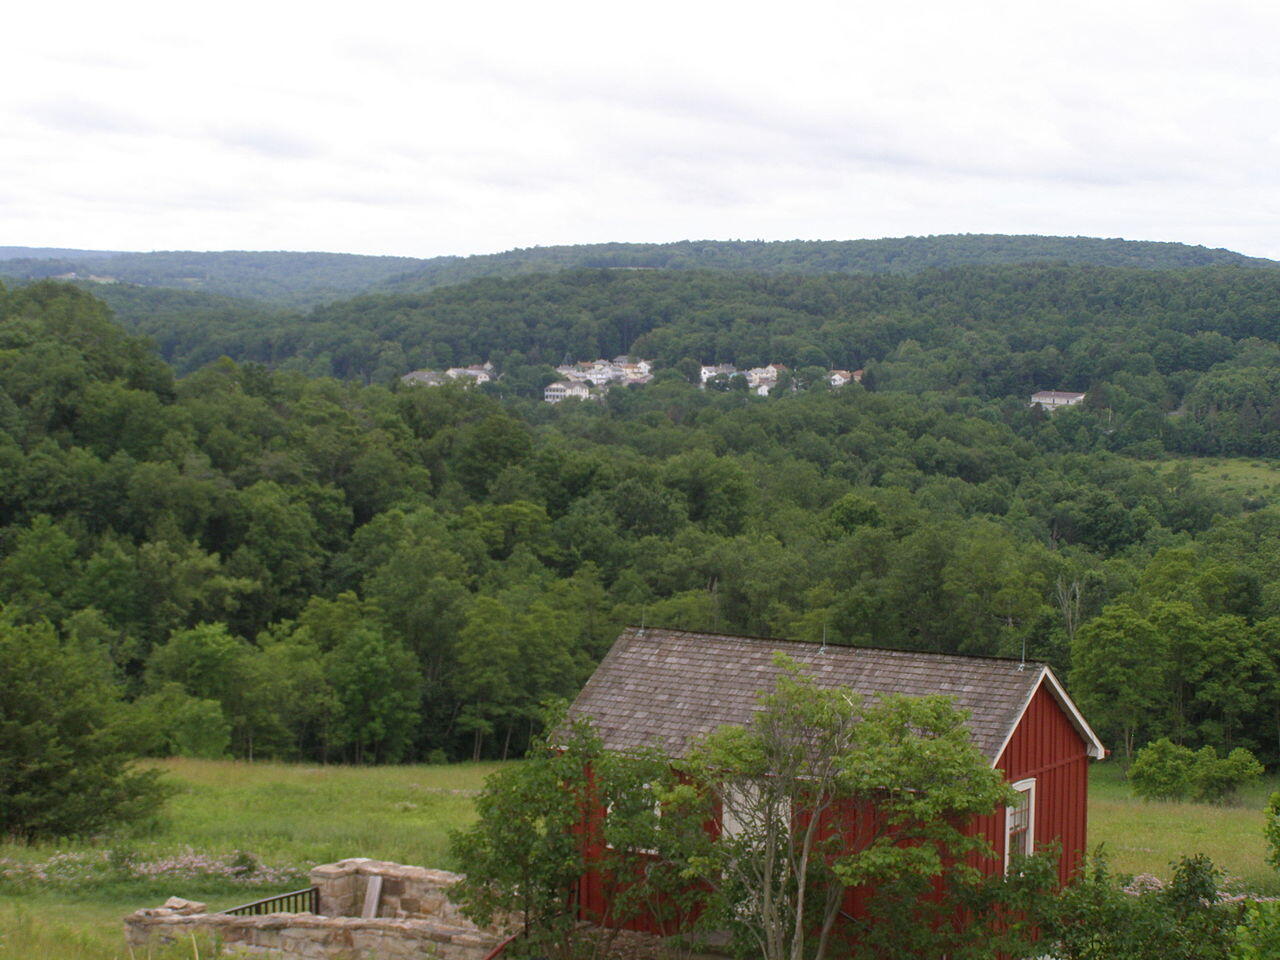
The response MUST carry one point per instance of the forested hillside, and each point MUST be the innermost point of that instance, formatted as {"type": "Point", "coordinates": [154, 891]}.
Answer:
{"type": "Point", "coordinates": [53, 253]}
{"type": "Point", "coordinates": [281, 565]}
{"type": "Point", "coordinates": [1175, 361]}
{"type": "Point", "coordinates": [810, 257]}
{"type": "Point", "coordinates": [300, 280]}
{"type": "Point", "coordinates": [282, 279]}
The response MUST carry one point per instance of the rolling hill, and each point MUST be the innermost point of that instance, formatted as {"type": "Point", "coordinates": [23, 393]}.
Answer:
{"type": "Point", "coordinates": [300, 280]}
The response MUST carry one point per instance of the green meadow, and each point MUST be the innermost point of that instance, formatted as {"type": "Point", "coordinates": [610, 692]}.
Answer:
{"type": "Point", "coordinates": [287, 818]}
{"type": "Point", "coordinates": [283, 818]}
{"type": "Point", "coordinates": [1246, 477]}
{"type": "Point", "coordinates": [1145, 837]}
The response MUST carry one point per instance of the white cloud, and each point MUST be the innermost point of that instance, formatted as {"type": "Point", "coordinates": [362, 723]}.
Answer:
{"type": "Point", "coordinates": [387, 129]}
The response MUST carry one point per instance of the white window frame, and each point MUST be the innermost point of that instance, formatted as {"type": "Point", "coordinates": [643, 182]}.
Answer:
{"type": "Point", "coordinates": [608, 812]}
{"type": "Point", "coordinates": [1028, 787]}
{"type": "Point", "coordinates": [730, 826]}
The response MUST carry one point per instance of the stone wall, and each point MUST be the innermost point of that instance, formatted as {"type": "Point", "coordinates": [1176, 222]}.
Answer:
{"type": "Point", "coordinates": [415, 920]}
{"type": "Point", "coordinates": [407, 892]}
{"type": "Point", "coordinates": [306, 936]}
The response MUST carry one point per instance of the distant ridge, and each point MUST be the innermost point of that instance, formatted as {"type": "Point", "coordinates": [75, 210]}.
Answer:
{"type": "Point", "coordinates": [281, 278]}
{"type": "Point", "coordinates": [53, 253]}
{"type": "Point", "coordinates": [896, 255]}
{"type": "Point", "coordinates": [307, 279]}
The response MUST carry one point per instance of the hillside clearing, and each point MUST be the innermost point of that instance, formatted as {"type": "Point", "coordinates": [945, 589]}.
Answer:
{"type": "Point", "coordinates": [1247, 477]}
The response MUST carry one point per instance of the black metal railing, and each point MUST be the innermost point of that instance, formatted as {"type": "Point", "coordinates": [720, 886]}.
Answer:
{"type": "Point", "coordinates": [296, 901]}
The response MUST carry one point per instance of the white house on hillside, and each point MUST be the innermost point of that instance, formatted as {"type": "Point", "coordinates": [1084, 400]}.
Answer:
{"type": "Point", "coordinates": [478, 373]}
{"type": "Point", "coordinates": [565, 390]}
{"type": "Point", "coordinates": [1053, 399]}
{"type": "Point", "coordinates": [424, 378]}
{"type": "Point", "coordinates": [707, 371]}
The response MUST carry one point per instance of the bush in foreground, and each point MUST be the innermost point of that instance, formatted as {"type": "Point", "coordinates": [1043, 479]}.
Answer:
{"type": "Point", "coordinates": [1164, 770]}
{"type": "Point", "coordinates": [65, 752]}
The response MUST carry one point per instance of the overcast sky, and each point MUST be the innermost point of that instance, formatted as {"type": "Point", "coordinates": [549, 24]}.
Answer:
{"type": "Point", "coordinates": [380, 128]}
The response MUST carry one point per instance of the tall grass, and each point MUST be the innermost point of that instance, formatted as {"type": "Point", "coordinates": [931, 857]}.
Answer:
{"type": "Point", "coordinates": [308, 814]}
{"type": "Point", "coordinates": [283, 816]}
{"type": "Point", "coordinates": [39, 933]}
{"type": "Point", "coordinates": [1147, 836]}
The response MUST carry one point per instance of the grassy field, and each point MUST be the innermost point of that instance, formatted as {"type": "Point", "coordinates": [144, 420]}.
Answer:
{"type": "Point", "coordinates": [1247, 478]}
{"type": "Point", "coordinates": [296, 816]}
{"type": "Point", "coordinates": [1142, 837]}
{"type": "Point", "coordinates": [281, 816]}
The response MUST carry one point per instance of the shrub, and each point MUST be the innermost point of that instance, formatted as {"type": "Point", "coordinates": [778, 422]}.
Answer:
{"type": "Point", "coordinates": [1164, 770]}
{"type": "Point", "coordinates": [65, 747]}
{"type": "Point", "coordinates": [172, 723]}
{"type": "Point", "coordinates": [524, 855]}
{"type": "Point", "coordinates": [1271, 830]}
{"type": "Point", "coordinates": [1216, 779]}
{"type": "Point", "coordinates": [1258, 935]}
{"type": "Point", "coordinates": [1105, 917]}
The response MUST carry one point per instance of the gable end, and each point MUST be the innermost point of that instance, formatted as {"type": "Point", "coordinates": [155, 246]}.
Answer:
{"type": "Point", "coordinates": [1049, 681]}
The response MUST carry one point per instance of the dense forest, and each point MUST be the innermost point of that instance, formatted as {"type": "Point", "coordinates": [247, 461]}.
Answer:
{"type": "Point", "coordinates": [301, 280]}
{"type": "Point", "coordinates": [810, 257]}
{"type": "Point", "coordinates": [279, 278]}
{"type": "Point", "coordinates": [1178, 361]}
{"type": "Point", "coordinates": [274, 563]}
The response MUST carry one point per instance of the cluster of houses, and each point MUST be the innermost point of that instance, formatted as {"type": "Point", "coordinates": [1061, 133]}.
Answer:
{"type": "Point", "coordinates": [1050, 400]}
{"type": "Point", "coordinates": [92, 278]}
{"type": "Point", "coordinates": [475, 374]}
{"type": "Point", "coordinates": [592, 378]}
{"type": "Point", "coordinates": [760, 380]}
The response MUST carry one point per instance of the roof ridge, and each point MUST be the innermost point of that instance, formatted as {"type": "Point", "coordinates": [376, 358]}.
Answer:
{"type": "Point", "coordinates": [632, 628]}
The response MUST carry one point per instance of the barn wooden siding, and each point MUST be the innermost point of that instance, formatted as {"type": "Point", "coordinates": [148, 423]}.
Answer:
{"type": "Point", "coordinates": [1047, 746]}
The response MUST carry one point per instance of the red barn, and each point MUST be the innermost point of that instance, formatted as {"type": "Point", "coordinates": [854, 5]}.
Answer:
{"type": "Point", "coordinates": [668, 688]}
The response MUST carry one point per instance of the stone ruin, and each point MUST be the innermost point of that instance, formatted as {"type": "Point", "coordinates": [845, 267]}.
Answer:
{"type": "Point", "coordinates": [367, 908]}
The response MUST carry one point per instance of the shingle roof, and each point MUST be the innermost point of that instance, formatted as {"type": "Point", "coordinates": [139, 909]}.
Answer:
{"type": "Point", "coordinates": [667, 688]}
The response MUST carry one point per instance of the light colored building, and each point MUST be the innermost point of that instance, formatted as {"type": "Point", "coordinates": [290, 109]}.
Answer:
{"type": "Point", "coordinates": [477, 373]}
{"type": "Point", "coordinates": [707, 371]}
{"type": "Point", "coordinates": [424, 378]}
{"type": "Point", "coordinates": [565, 390]}
{"type": "Point", "coordinates": [838, 378]}
{"type": "Point", "coordinates": [760, 380]}
{"type": "Point", "coordinates": [1053, 399]}
{"type": "Point", "coordinates": [602, 373]}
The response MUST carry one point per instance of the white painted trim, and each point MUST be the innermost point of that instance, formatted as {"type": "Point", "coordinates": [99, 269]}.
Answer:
{"type": "Point", "coordinates": [1095, 747]}
{"type": "Point", "coordinates": [1022, 712]}
{"type": "Point", "coordinates": [1028, 787]}
{"type": "Point", "coordinates": [748, 795]}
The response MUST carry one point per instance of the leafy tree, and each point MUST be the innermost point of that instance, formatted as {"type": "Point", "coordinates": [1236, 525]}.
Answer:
{"type": "Point", "coordinates": [907, 770]}
{"type": "Point", "coordinates": [175, 724]}
{"type": "Point", "coordinates": [65, 744]}
{"type": "Point", "coordinates": [1162, 770]}
{"type": "Point", "coordinates": [206, 661]}
{"type": "Point", "coordinates": [377, 689]}
{"type": "Point", "coordinates": [1216, 779]}
{"type": "Point", "coordinates": [527, 852]}
{"type": "Point", "coordinates": [1116, 672]}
